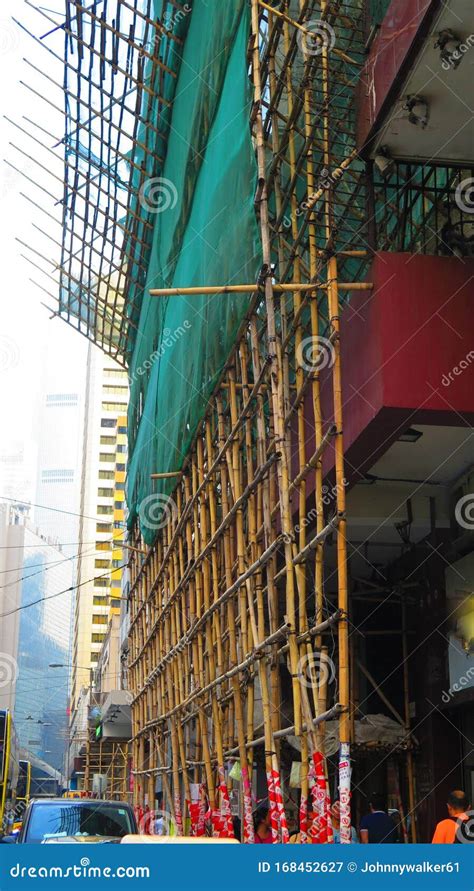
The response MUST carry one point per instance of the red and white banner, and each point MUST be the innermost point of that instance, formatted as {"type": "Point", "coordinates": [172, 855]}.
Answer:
{"type": "Point", "coordinates": [345, 793]}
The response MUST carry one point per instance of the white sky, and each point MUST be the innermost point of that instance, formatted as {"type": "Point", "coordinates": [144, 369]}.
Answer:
{"type": "Point", "coordinates": [25, 329]}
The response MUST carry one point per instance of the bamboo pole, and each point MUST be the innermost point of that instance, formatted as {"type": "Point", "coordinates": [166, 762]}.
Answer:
{"type": "Point", "coordinates": [251, 288]}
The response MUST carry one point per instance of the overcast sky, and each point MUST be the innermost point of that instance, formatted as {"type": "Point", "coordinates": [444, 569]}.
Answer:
{"type": "Point", "coordinates": [25, 329]}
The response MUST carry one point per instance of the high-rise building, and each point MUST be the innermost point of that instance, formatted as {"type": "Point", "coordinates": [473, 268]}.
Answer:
{"type": "Point", "coordinates": [102, 517]}
{"type": "Point", "coordinates": [17, 460]}
{"type": "Point", "coordinates": [60, 425]}
{"type": "Point", "coordinates": [35, 609]}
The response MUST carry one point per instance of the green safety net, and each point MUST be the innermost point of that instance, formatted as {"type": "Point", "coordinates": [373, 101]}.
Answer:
{"type": "Point", "coordinates": [205, 231]}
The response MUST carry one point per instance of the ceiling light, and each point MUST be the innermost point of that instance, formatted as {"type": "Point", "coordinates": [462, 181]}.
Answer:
{"type": "Point", "coordinates": [451, 47]}
{"type": "Point", "coordinates": [418, 110]}
{"type": "Point", "coordinates": [410, 435]}
{"type": "Point", "coordinates": [384, 161]}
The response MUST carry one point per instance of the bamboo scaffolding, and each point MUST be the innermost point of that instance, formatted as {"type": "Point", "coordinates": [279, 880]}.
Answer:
{"type": "Point", "coordinates": [242, 591]}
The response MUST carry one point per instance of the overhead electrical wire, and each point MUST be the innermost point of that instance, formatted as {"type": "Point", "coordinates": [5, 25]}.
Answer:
{"type": "Point", "coordinates": [65, 591]}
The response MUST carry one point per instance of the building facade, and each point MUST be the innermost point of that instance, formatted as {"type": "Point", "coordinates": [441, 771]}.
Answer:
{"type": "Point", "coordinates": [36, 604]}
{"type": "Point", "coordinates": [101, 529]}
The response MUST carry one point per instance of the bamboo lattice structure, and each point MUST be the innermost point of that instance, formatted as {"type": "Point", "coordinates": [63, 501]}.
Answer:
{"type": "Point", "coordinates": [231, 616]}
{"type": "Point", "coordinates": [239, 636]}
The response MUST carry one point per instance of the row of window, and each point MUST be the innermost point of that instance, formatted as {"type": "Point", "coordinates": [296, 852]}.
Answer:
{"type": "Point", "coordinates": [115, 390]}
{"type": "Point", "coordinates": [55, 399]}
{"type": "Point", "coordinates": [112, 422]}
{"type": "Point", "coordinates": [58, 474]}
{"type": "Point", "coordinates": [115, 406]}
{"type": "Point", "coordinates": [115, 372]}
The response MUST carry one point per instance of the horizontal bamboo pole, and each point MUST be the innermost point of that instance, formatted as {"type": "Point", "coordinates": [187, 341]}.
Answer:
{"type": "Point", "coordinates": [187, 638]}
{"type": "Point", "coordinates": [249, 289]}
{"type": "Point", "coordinates": [333, 712]}
{"type": "Point", "coordinates": [165, 476]}
{"type": "Point", "coordinates": [189, 506]}
{"type": "Point", "coordinates": [320, 537]}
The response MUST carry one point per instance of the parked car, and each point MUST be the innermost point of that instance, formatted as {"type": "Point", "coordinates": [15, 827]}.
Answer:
{"type": "Point", "coordinates": [60, 820]}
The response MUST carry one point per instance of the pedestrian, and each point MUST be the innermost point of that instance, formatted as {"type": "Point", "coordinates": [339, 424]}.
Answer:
{"type": "Point", "coordinates": [377, 827]}
{"type": "Point", "coordinates": [336, 825]}
{"type": "Point", "coordinates": [458, 826]}
{"type": "Point", "coordinates": [261, 821]}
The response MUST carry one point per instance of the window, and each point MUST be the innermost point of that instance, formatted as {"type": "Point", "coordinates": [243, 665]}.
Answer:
{"type": "Point", "coordinates": [97, 638]}
{"type": "Point", "coordinates": [116, 583]}
{"type": "Point", "coordinates": [115, 603]}
{"type": "Point", "coordinates": [103, 546]}
{"type": "Point", "coordinates": [108, 440]}
{"type": "Point", "coordinates": [114, 372]}
{"type": "Point", "coordinates": [107, 457]}
{"type": "Point", "coordinates": [58, 400]}
{"type": "Point", "coordinates": [118, 505]}
{"type": "Point", "coordinates": [99, 619]}
{"type": "Point", "coordinates": [105, 493]}
{"type": "Point", "coordinates": [120, 467]}
{"type": "Point", "coordinates": [105, 509]}
{"type": "Point", "coordinates": [108, 422]}
{"type": "Point", "coordinates": [114, 406]}
{"type": "Point", "coordinates": [94, 657]}
{"type": "Point", "coordinates": [115, 390]}
{"type": "Point", "coordinates": [57, 476]}
{"type": "Point", "coordinates": [100, 600]}
{"type": "Point", "coordinates": [121, 448]}
{"type": "Point", "coordinates": [104, 527]}
{"type": "Point", "coordinates": [106, 474]}
{"type": "Point", "coordinates": [102, 564]}
{"type": "Point", "coordinates": [100, 582]}
{"type": "Point", "coordinates": [122, 430]}
{"type": "Point", "coordinates": [120, 487]}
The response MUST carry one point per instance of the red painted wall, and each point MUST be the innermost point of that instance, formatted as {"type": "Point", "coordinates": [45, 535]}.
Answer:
{"type": "Point", "coordinates": [389, 59]}
{"type": "Point", "coordinates": [407, 355]}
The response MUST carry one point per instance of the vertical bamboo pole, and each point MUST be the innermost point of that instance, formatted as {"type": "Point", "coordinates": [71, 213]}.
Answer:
{"type": "Point", "coordinates": [333, 306]}
{"type": "Point", "coordinates": [276, 374]}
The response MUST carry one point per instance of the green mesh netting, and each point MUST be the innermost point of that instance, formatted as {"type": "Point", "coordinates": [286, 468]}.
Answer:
{"type": "Point", "coordinates": [377, 10]}
{"type": "Point", "coordinates": [207, 234]}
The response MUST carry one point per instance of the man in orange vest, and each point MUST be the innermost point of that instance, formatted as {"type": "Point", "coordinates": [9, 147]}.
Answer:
{"type": "Point", "coordinates": [458, 828]}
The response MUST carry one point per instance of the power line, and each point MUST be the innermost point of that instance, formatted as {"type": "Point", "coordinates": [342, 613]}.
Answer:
{"type": "Point", "coordinates": [57, 510]}
{"type": "Point", "coordinates": [65, 591]}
